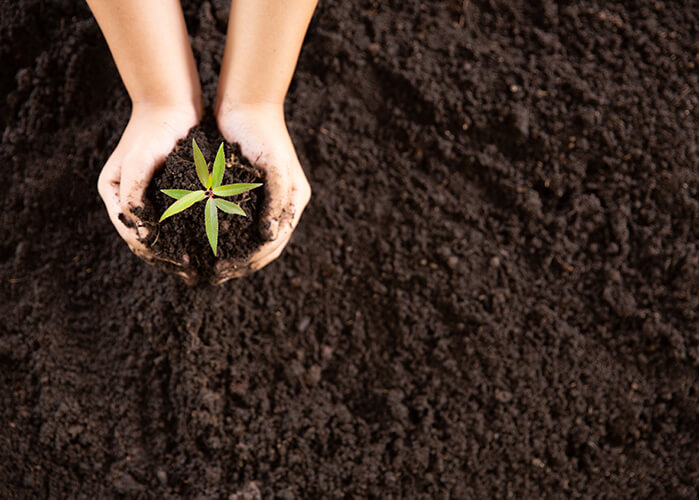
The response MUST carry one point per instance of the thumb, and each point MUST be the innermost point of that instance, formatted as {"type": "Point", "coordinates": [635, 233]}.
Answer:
{"type": "Point", "coordinates": [277, 196]}
{"type": "Point", "coordinates": [135, 177]}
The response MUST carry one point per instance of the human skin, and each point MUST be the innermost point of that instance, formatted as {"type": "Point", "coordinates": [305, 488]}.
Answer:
{"type": "Point", "coordinates": [149, 43]}
{"type": "Point", "coordinates": [262, 47]}
{"type": "Point", "coordinates": [150, 46]}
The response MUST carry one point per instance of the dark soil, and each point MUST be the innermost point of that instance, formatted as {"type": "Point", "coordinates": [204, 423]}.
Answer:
{"type": "Point", "coordinates": [184, 234]}
{"type": "Point", "coordinates": [493, 293]}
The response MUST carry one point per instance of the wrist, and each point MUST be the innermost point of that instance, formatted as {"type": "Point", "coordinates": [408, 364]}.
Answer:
{"type": "Point", "coordinates": [188, 110]}
{"type": "Point", "coordinates": [269, 110]}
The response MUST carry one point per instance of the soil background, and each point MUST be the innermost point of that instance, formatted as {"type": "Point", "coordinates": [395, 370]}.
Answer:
{"type": "Point", "coordinates": [493, 293]}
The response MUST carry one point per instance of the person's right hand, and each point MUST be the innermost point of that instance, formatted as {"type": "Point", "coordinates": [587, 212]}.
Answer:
{"type": "Point", "coordinates": [149, 137]}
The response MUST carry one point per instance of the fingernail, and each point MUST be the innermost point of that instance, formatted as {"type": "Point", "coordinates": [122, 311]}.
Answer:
{"type": "Point", "coordinates": [126, 221]}
{"type": "Point", "coordinates": [271, 230]}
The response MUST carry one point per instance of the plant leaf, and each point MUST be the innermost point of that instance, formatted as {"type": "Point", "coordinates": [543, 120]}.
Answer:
{"type": "Point", "coordinates": [211, 220]}
{"type": "Point", "coordinates": [232, 189]}
{"type": "Point", "coordinates": [229, 207]}
{"type": "Point", "coordinates": [175, 193]}
{"type": "Point", "coordinates": [200, 163]}
{"type": "Point", "coordinates": [219, 166]}
{"type": "Point", "coordinates": [183, 203]}
{"type": "Point", "coordinates": [209, 180]}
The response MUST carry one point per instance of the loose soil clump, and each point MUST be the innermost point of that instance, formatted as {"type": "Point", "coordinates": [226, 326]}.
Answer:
{"type": "Point", "coordinates": [183, 235]}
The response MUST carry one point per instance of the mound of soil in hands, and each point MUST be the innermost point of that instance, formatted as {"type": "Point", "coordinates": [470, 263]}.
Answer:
{"type": "Point", "coordinates": [184, 234]}
{"type": "Point", "coordinates": [492, 294]}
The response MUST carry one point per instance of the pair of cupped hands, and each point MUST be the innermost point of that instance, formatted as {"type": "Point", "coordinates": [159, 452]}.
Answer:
{"type": "Point", "coordinates": [151, 134]}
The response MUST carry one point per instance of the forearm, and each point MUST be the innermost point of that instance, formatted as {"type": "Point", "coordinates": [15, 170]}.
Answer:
{"type": "Point", "coordinates": [262, 46]}
{"type": "Point", "coordinates": [148, 40]}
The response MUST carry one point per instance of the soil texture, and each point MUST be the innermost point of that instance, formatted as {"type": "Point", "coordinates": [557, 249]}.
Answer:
{"type": "Point", "coordinates": [183, 236]}
{"type": "Point", "coordinates": [492, 294]}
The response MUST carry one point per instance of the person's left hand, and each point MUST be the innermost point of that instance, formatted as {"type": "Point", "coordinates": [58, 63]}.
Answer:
{"type": "Point", "coordinates": [264, 139]}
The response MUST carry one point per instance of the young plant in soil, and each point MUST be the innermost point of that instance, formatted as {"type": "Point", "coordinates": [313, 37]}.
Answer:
{"type": "Point", "coordinates": [213, 190]}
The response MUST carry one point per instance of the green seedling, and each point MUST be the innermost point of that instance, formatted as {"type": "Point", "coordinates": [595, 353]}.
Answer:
{"type": "Point", "coordinates": [212, 188]}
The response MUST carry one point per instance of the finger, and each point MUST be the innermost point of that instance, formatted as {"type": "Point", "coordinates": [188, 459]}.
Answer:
{"type": "Point", "coordinates": [262, 256]}
{"type": "Point", "coordinates": [277, 194]}
{"type": "Point", "coordinates": [227, 272]}
{"type": "Point", "coordinates": [270, 254]}
{"type": "Point", "coordinates": [108, 186]}
{"type": "Point", "coordinates": [270, 251]}
{"type": "Point", "coordinates": [135, 177]}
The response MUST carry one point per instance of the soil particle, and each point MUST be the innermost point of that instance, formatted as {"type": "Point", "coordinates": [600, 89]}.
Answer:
{"type": "Point", "coordinates": [503, 396]}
